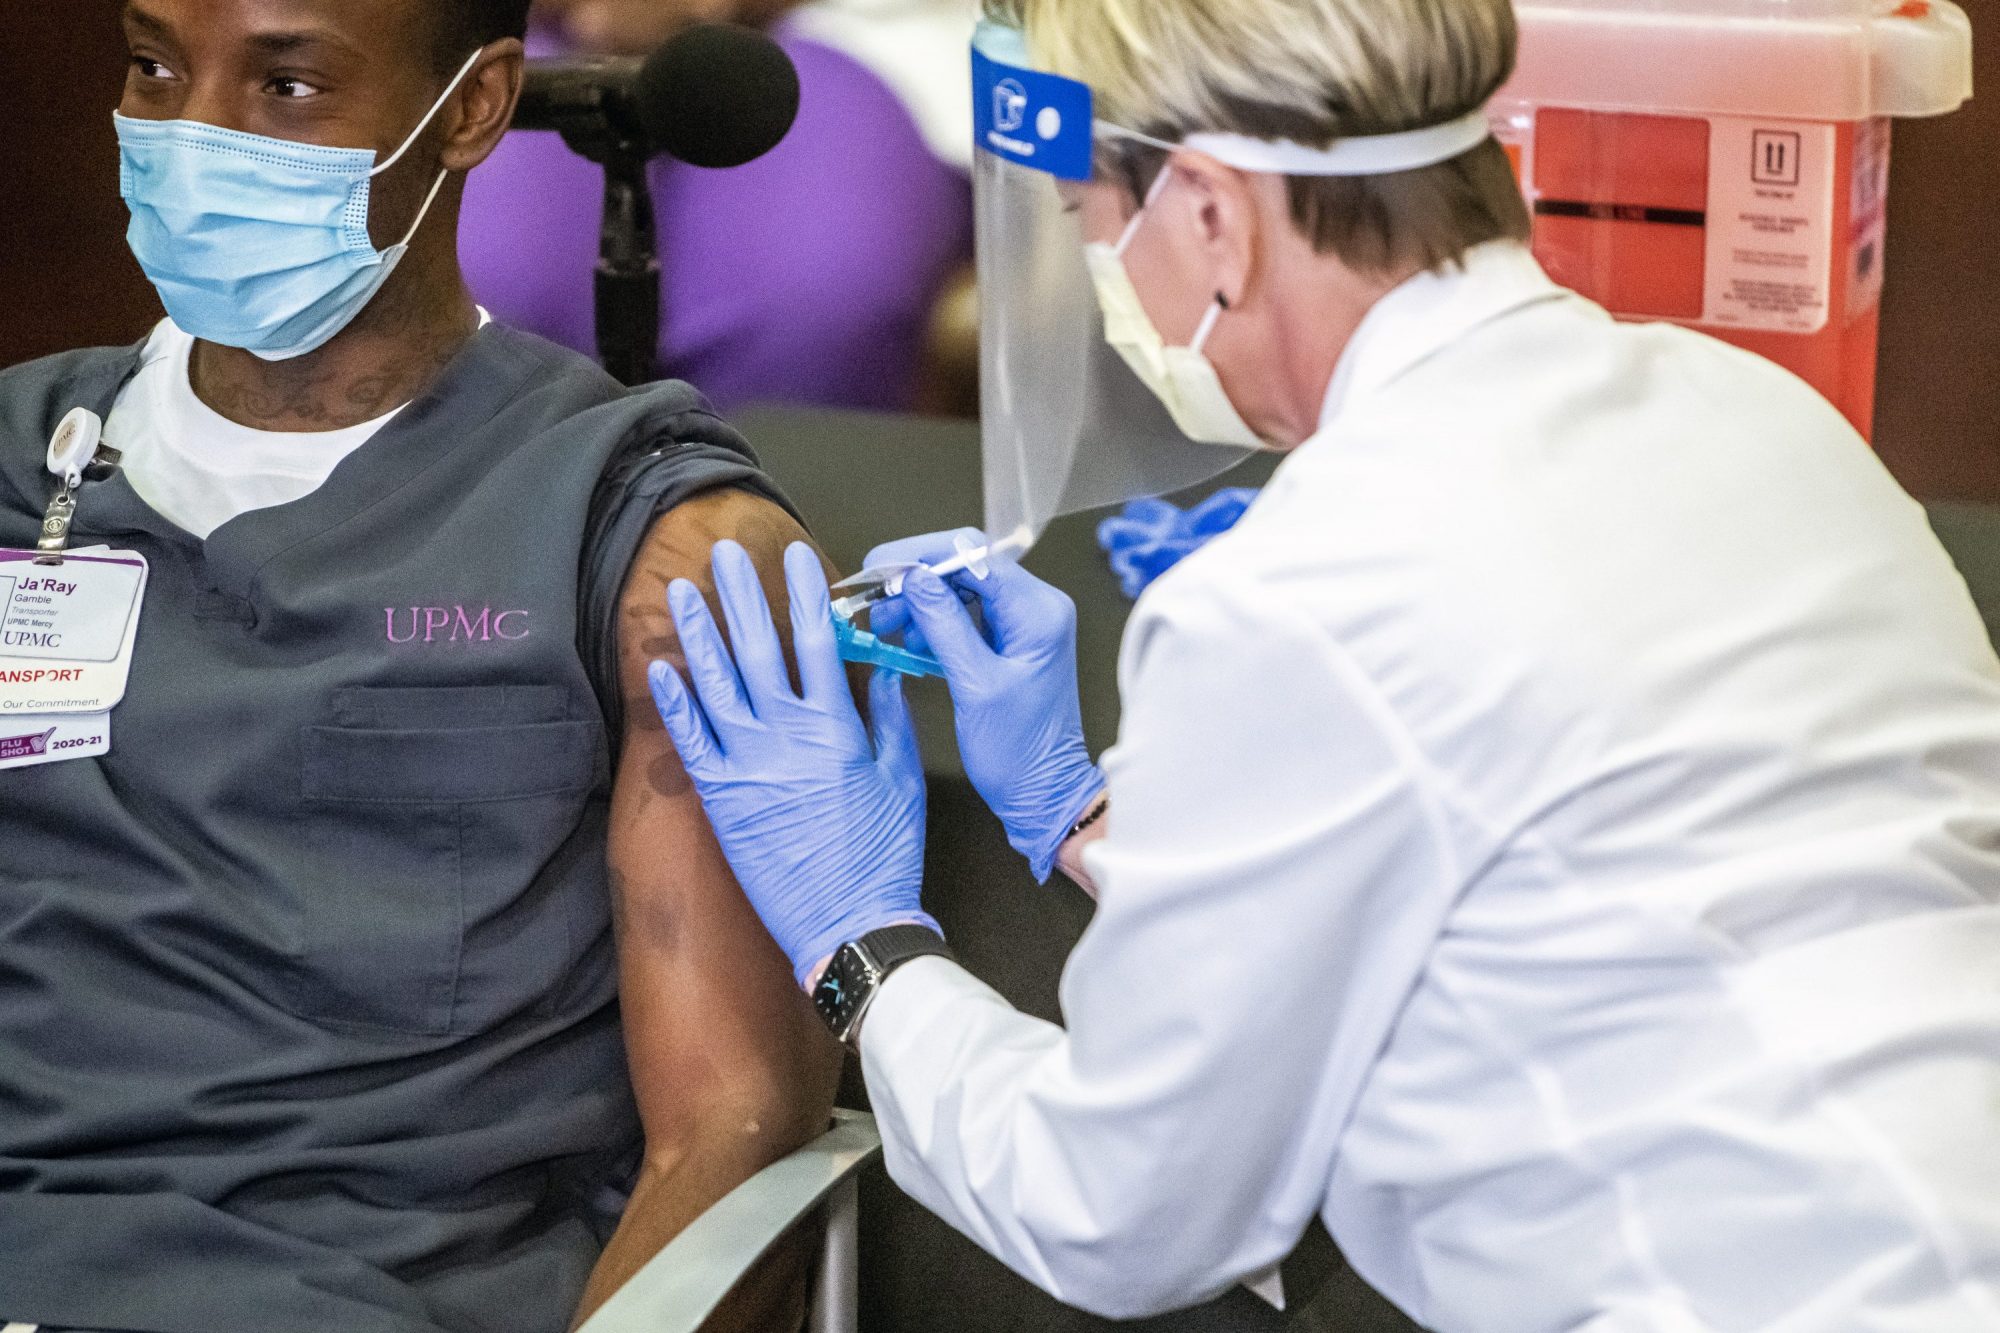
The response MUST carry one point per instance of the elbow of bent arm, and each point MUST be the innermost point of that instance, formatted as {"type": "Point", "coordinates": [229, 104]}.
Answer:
{"type": "Point", "coordinates": [1166, 1256]}
{"type": "Point", "coordinates": [1140, 1291]}
{"type": "Point", "coordinates": [1101, 1248]}
{"type": "Point", "coordinates": [1139, 1276]}
{"type": "Point", "coordinates": [1089, 1214]}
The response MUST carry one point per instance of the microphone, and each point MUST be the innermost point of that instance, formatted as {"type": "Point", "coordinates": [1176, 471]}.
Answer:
{"type": "Point", "coordinates": [714, 95]}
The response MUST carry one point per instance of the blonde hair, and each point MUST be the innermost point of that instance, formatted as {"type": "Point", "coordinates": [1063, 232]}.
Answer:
{"type": "Point", "coordinates": [1313, 71]}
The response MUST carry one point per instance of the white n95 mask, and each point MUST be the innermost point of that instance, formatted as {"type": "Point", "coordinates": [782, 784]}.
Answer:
{"type": "Point", "coordinates": [259, 243]}
{"type": "Point", "coordinates": [1182, 378]}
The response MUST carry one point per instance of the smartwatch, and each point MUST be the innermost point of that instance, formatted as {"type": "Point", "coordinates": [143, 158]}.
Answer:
{"type": "Point", "coordinates": [858, 970]}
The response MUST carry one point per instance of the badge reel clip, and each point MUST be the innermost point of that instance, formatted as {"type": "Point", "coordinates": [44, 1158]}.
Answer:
{"type": "Point", "coordinates": [77, 452]}
{"type": "Point", "coordinates": [884, 582]}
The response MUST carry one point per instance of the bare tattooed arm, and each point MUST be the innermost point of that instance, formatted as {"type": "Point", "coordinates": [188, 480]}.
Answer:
{"type": "Point", "coordinates": [732, 1068]}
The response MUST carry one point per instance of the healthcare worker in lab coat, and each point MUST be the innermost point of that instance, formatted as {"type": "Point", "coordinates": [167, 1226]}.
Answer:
{"type": "Point", "coordinates": [1555, 837]}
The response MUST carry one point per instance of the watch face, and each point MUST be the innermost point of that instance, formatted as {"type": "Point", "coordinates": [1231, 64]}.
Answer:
{"type": "Point", "coordinates": [831, 996]}
{"type": "Point", "coordinates": [840, 989]}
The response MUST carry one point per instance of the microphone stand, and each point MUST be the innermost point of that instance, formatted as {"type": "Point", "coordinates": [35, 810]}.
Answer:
{"type": "Point", "coordinates": [628, 261]}
{"type": "Point", "coordinates": [628, 273]}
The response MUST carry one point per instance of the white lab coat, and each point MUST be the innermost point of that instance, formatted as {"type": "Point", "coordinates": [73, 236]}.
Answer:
{"type": "Point", "coordinates": [1556, 838]}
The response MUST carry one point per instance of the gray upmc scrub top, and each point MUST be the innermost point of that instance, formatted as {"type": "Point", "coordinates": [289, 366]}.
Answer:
{"type": "Point", "coordinates": [307, 990]}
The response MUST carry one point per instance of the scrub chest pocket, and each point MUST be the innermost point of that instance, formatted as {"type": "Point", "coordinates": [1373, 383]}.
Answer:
{"type": "Point", "coordinates": [421, 809]}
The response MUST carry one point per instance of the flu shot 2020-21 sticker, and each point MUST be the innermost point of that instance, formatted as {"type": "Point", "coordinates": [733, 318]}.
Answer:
{"type": "Point", "coordinates": [29, 742]}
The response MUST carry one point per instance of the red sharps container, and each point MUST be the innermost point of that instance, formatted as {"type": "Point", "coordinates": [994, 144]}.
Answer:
{"type": "Point", "coordinates": [1725, 163]}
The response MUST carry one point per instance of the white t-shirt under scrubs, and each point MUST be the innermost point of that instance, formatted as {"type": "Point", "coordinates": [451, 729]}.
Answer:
{"type": "Point", "coordinates": [198, 468]}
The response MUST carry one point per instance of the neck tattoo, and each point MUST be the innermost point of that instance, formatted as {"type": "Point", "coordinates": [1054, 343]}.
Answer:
{"type": "Point", "coordinates": [396, 350]}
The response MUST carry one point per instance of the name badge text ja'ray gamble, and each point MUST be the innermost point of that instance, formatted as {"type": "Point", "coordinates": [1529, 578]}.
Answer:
{"type": "Point", "coordinates": [66, 633]}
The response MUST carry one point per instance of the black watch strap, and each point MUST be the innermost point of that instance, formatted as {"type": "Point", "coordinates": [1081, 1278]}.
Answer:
{"type": "Point", "coordinates": [892, 946]}
{"type": "Point", "coordinates": [858, 970]}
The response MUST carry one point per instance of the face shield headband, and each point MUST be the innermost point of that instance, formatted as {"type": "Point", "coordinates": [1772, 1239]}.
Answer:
{"type": "Point", "coordinates": [1369, 155]}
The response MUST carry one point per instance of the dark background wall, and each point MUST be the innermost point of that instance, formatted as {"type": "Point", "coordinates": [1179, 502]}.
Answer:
{"type": "Point", "coordinates": [1938, 419]}
{"type": "Point", "coordinates": [66, 280]}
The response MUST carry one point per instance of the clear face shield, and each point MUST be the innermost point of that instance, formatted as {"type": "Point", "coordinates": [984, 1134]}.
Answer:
{"type": "Point", "coordinates": [1068, 424]}
{"type": "Point", "coordinates": [1083, 403]}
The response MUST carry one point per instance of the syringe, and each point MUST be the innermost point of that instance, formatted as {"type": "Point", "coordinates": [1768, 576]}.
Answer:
{"type": "Point", "coordinates": [886, 581]}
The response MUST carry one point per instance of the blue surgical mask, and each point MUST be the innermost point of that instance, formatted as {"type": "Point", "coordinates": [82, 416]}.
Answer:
{"type": "Point", "coordinates": [255, 242]}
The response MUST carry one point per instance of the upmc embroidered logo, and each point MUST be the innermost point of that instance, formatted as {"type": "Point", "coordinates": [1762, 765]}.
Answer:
{"type": "Point", "coordinates": [25, 747]}
{"type": "Point", "coordinates": [454, 624]}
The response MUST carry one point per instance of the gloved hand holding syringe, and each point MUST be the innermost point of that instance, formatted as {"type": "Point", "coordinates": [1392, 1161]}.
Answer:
{"type": "Point", "coordinates": [882, 582]}
{"type": "Point", "coordinates": [1011, 669]}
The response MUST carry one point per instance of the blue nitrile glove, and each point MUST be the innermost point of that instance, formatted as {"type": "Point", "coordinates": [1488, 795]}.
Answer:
{"type": "Point", "coordinates": [1152, 536]}
{"type": "Point", "coordinates": [823, 825]}
{"type": "Point", "coordinates": [1013, 689]}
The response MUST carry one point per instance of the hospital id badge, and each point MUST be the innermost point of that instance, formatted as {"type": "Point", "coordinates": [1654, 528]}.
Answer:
{"type": "Point", "coordinates": [67, 631]}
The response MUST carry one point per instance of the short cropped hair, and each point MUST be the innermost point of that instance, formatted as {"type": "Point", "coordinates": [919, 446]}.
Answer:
{"type": "Point", "coordinates": [1313, 71]}
{"type": "Point", "coordinates": [463, 26]}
